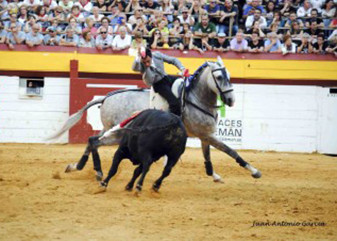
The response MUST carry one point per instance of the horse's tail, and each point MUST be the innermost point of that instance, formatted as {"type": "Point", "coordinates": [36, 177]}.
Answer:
{"type": "Point", "coordinates": [74, 118]}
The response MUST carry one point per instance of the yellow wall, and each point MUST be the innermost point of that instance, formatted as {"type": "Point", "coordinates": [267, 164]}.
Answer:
{"type": "Point", "coordinates": [104, 63]}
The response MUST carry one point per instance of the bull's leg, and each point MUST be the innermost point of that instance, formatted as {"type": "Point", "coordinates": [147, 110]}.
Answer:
{"type": "Point", "coordinates": [166, 172]}
{"type": "Point", "coordinates": [222, 147]}
{"type": "Point", "coordinates": [118, 157]}
{"type": "Point", "coordinates": [208, 163]}
{"type": "Point", "coordinates": [136, 174]}
{"type": "Point", "coordinates": [146, 166]}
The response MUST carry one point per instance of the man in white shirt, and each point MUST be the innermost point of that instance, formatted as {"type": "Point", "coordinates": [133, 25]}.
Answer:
{"type": "Point", "coordinates": [121, 40]}
{"type": "Point", "coordinates": [304, 10]}
{"type": "Point", "coordinates": [256, 17]}
{"type": "Point", "coordinates": [103, 40]}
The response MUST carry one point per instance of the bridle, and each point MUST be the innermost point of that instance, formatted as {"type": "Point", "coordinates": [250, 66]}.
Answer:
{"type": "Point", "coordinates": [224, 73]}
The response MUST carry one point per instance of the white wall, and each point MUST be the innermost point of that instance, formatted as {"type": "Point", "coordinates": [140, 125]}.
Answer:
{"type": "Point", "coordinates": [31, 120]}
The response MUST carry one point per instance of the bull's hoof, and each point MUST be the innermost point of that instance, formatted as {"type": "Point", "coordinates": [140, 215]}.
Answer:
{"type": "Point", "coordinates": [128, 188]}
{"type": "Point", "coordinates": [257, 174]}
{"type": "Point", "coordinates": [99, 176]}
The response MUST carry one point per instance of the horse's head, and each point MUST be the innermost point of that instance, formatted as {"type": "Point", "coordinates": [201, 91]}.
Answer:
{"type": "Point", "coordinates": [220, 82]}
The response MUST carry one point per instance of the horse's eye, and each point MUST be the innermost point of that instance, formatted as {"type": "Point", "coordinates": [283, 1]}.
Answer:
{"type": "Point", "coordinates": [219, 78]}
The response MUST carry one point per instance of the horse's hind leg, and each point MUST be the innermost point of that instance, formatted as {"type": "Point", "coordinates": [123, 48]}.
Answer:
{"type": "Point", "coordinates": [208, 163]}
{"type": "Point", "coordinates": [222, 147]}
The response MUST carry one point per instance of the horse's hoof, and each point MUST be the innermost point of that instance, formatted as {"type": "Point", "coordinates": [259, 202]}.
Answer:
{"type": "Point", "coordinates": [257, 174]}
{"type": "Point", "coordinates": [128, 188]}
{"type": "Point", "coordinates": [155, 188]}
{"type": "Point", "coordinates": [100, 189]}
{"type": "Point", "coordinates": [218, 180]}
{"type": "Point", "coordinates": [69, 168]}
{"type": "Point", "coordinates": [99, 176]}
{"type": "Point", "coordinates": [137, 192]}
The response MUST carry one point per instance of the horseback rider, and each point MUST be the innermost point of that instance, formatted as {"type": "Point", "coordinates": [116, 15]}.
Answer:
{"type": "Point", "coordinates": [151, 65]}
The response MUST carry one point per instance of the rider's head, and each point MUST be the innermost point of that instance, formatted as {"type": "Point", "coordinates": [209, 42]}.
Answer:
{"type": "Point", "coordinates": [147, 59]}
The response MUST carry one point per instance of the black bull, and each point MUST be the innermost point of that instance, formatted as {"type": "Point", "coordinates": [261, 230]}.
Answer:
{"type": "Point", "coordinates": [147, 138]}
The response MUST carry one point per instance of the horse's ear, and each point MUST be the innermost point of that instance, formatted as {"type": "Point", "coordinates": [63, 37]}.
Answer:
{"type": "Point", "coordinates": [220, 61]}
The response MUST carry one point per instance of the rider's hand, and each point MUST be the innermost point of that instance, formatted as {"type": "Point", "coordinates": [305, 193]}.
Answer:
{"type": "Point", "coordinates": [185, 73]}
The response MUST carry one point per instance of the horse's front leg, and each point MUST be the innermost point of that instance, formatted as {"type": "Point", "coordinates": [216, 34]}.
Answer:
{"type": "Point", "coordinates": [208, 163]}
{"type": "Point", "coordinates": [222, 147]}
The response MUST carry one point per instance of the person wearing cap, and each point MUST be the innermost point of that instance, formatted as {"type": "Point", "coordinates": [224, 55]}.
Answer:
{"type": "Point", "coordinates": [51, 39]}
{"type": "Point", "coordinates": [305, 47]}
{"type": "Point", "coordinates": [221, 44]}
{"type": "Point", "coordinates": [185, 17]}
{"type": "Point", "coordinates": [151, 66]}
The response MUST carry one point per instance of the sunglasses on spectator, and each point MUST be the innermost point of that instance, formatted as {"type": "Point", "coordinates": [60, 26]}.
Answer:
{"type": "Point", "coordinates": [103, 32]}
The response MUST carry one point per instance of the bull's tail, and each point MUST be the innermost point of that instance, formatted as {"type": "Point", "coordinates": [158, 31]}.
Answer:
{"type": "Point", "coordinates": [74, 118]}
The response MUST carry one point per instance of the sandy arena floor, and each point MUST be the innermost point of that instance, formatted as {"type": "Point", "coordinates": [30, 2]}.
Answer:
{"type": "Point", "coordinates": [38, 201]}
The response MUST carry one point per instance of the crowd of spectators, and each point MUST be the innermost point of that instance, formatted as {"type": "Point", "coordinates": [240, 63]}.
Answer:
{"type": "Point", "coordinates": [275, 26]}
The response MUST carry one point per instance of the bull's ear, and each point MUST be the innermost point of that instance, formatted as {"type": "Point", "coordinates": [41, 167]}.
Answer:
{"type": "Point", "coordinates": [220, 61]}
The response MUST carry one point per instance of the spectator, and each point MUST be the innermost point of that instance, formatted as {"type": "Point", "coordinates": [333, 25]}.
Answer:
{"type": "Point", "coordinates": [138, 13]}
{"type": "Point", "coordinates": [175, 39]}
{"type": "Point", "coordinates": [140, 27]}
{"type": "Point", "coordinates": [120, 4]}
{"type": "Point", "coordinates": [14, 36]}
{"type": "Point", "coordinates": [3, 33]}
{"type": "Point", "coordinates": [66, 5]}
{"type": "Point", "coordinates": [317, 4]}
{"type": "Point", "coordinates": [132, 6]}
{"type": "Point", "coordinates": [196, 10]}
{"type": "Point", "coordinates": [270, 9]}
{"type": "Point", "coordinates": [42, 17]}
{"type": "Point", "coordinates": [229, 11]}
{"type": "Point", "coordinates": [188, 43]}
{"type": "Point", "coordinates": [87, 40]}
{"type": "Point", "coordinates": [168, 9]}
{"type": "Point", "coordinates": [105, 24]}
{"type": "Point", "coordinates": [305, 47]}
{"type": "Point", "coordinates": [151, 6]}
{"type": "Point", "coordinates": [313, 29]}
{"type": "Point", "coordinates": [320, 46]}
{"type": "Point", "coordinates": [277, 19]}
{"type": "Point", "coordinates": [328, 11]}
{"type": "Point", "coordinates": [156, 40]}
{"type": "Point", "coordinates": [122, 22]}
{"type": "Point", "coordinates": [75, 26]}
{"type": "Point", "coordinates": [51, 38]}
{"type": "Point", "coordinates": [250, 9]}
{"type": "Point", "coordinates": [58, 27]}
{"type": "Point", "coordinates": [293, 18]}
{"type": "Point", "coordinates": [12, 20]}
{"type": "Point", "coordinates": [332, 47]}
{"type": "Point", "coordinates": [102, 5]}
{"type": "Point", "coordinates": [49, 5]}
{"type": "Point", "coordinates": [85, 7]}
{"type": "Point", "coordinates": [288, 8]}
{"type": "Point", "coordinates": [137, 43]}
{"type": "Point", "coordinates": [221, 44]}
{"type": "Point", "coordinates": [272, 44]}
{"type": "Point", "coordinates": [288, 46]}
{"type": "Point", "coordinates": [295, 32]}
{"type": "Point", "coordinates": [185, 17]}
{"type": "Point", "coordinates": [57, 14]}
{"type": "Point", "coordinates": [257, 18]}
{"type": "Point", "coordinates": [121, 41]}
{"type": "Point", "coordinates": [75, 13]}
{"type": "Point", "coordinates": [205, 29]}
{"type": "Point", "coordinates": [238, 43]}
{"type": "Point", "coordinates": [256, 29]}
{"type": "Point", "coordinates": [213, 10]}
{"type": "Point", "coordinates": [30, 23]}
{"type": "Point", "coordinates": [304, 10]}
{"type": "Point", "coordinates": [31, 4]}
{"type": "Point", "coordinates": [255, 45]}
{"type": "Point", "coordinates": [90, 27]}
{"type": "Point", "coordinates": [23, 14]}
{"type": "Point", "coordinates": [96, 16]}
{"type": "Point", "coordinates": [69, 39]}
{"type": "Point", "coordinates": [333, 23]}
{"type": "Point", "coordinates": [314, 17]}
{"type": "Point", "coordinates": [162, 27]}
{"type": "Point", "coordinates": [104, 40]}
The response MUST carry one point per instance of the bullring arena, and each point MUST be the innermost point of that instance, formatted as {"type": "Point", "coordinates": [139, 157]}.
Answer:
{"type": "Point", "coordinates": [283, 123]}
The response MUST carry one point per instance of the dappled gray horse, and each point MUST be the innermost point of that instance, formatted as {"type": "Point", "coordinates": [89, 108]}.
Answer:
{"type": "Point", "coordinates": [199, 116]}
